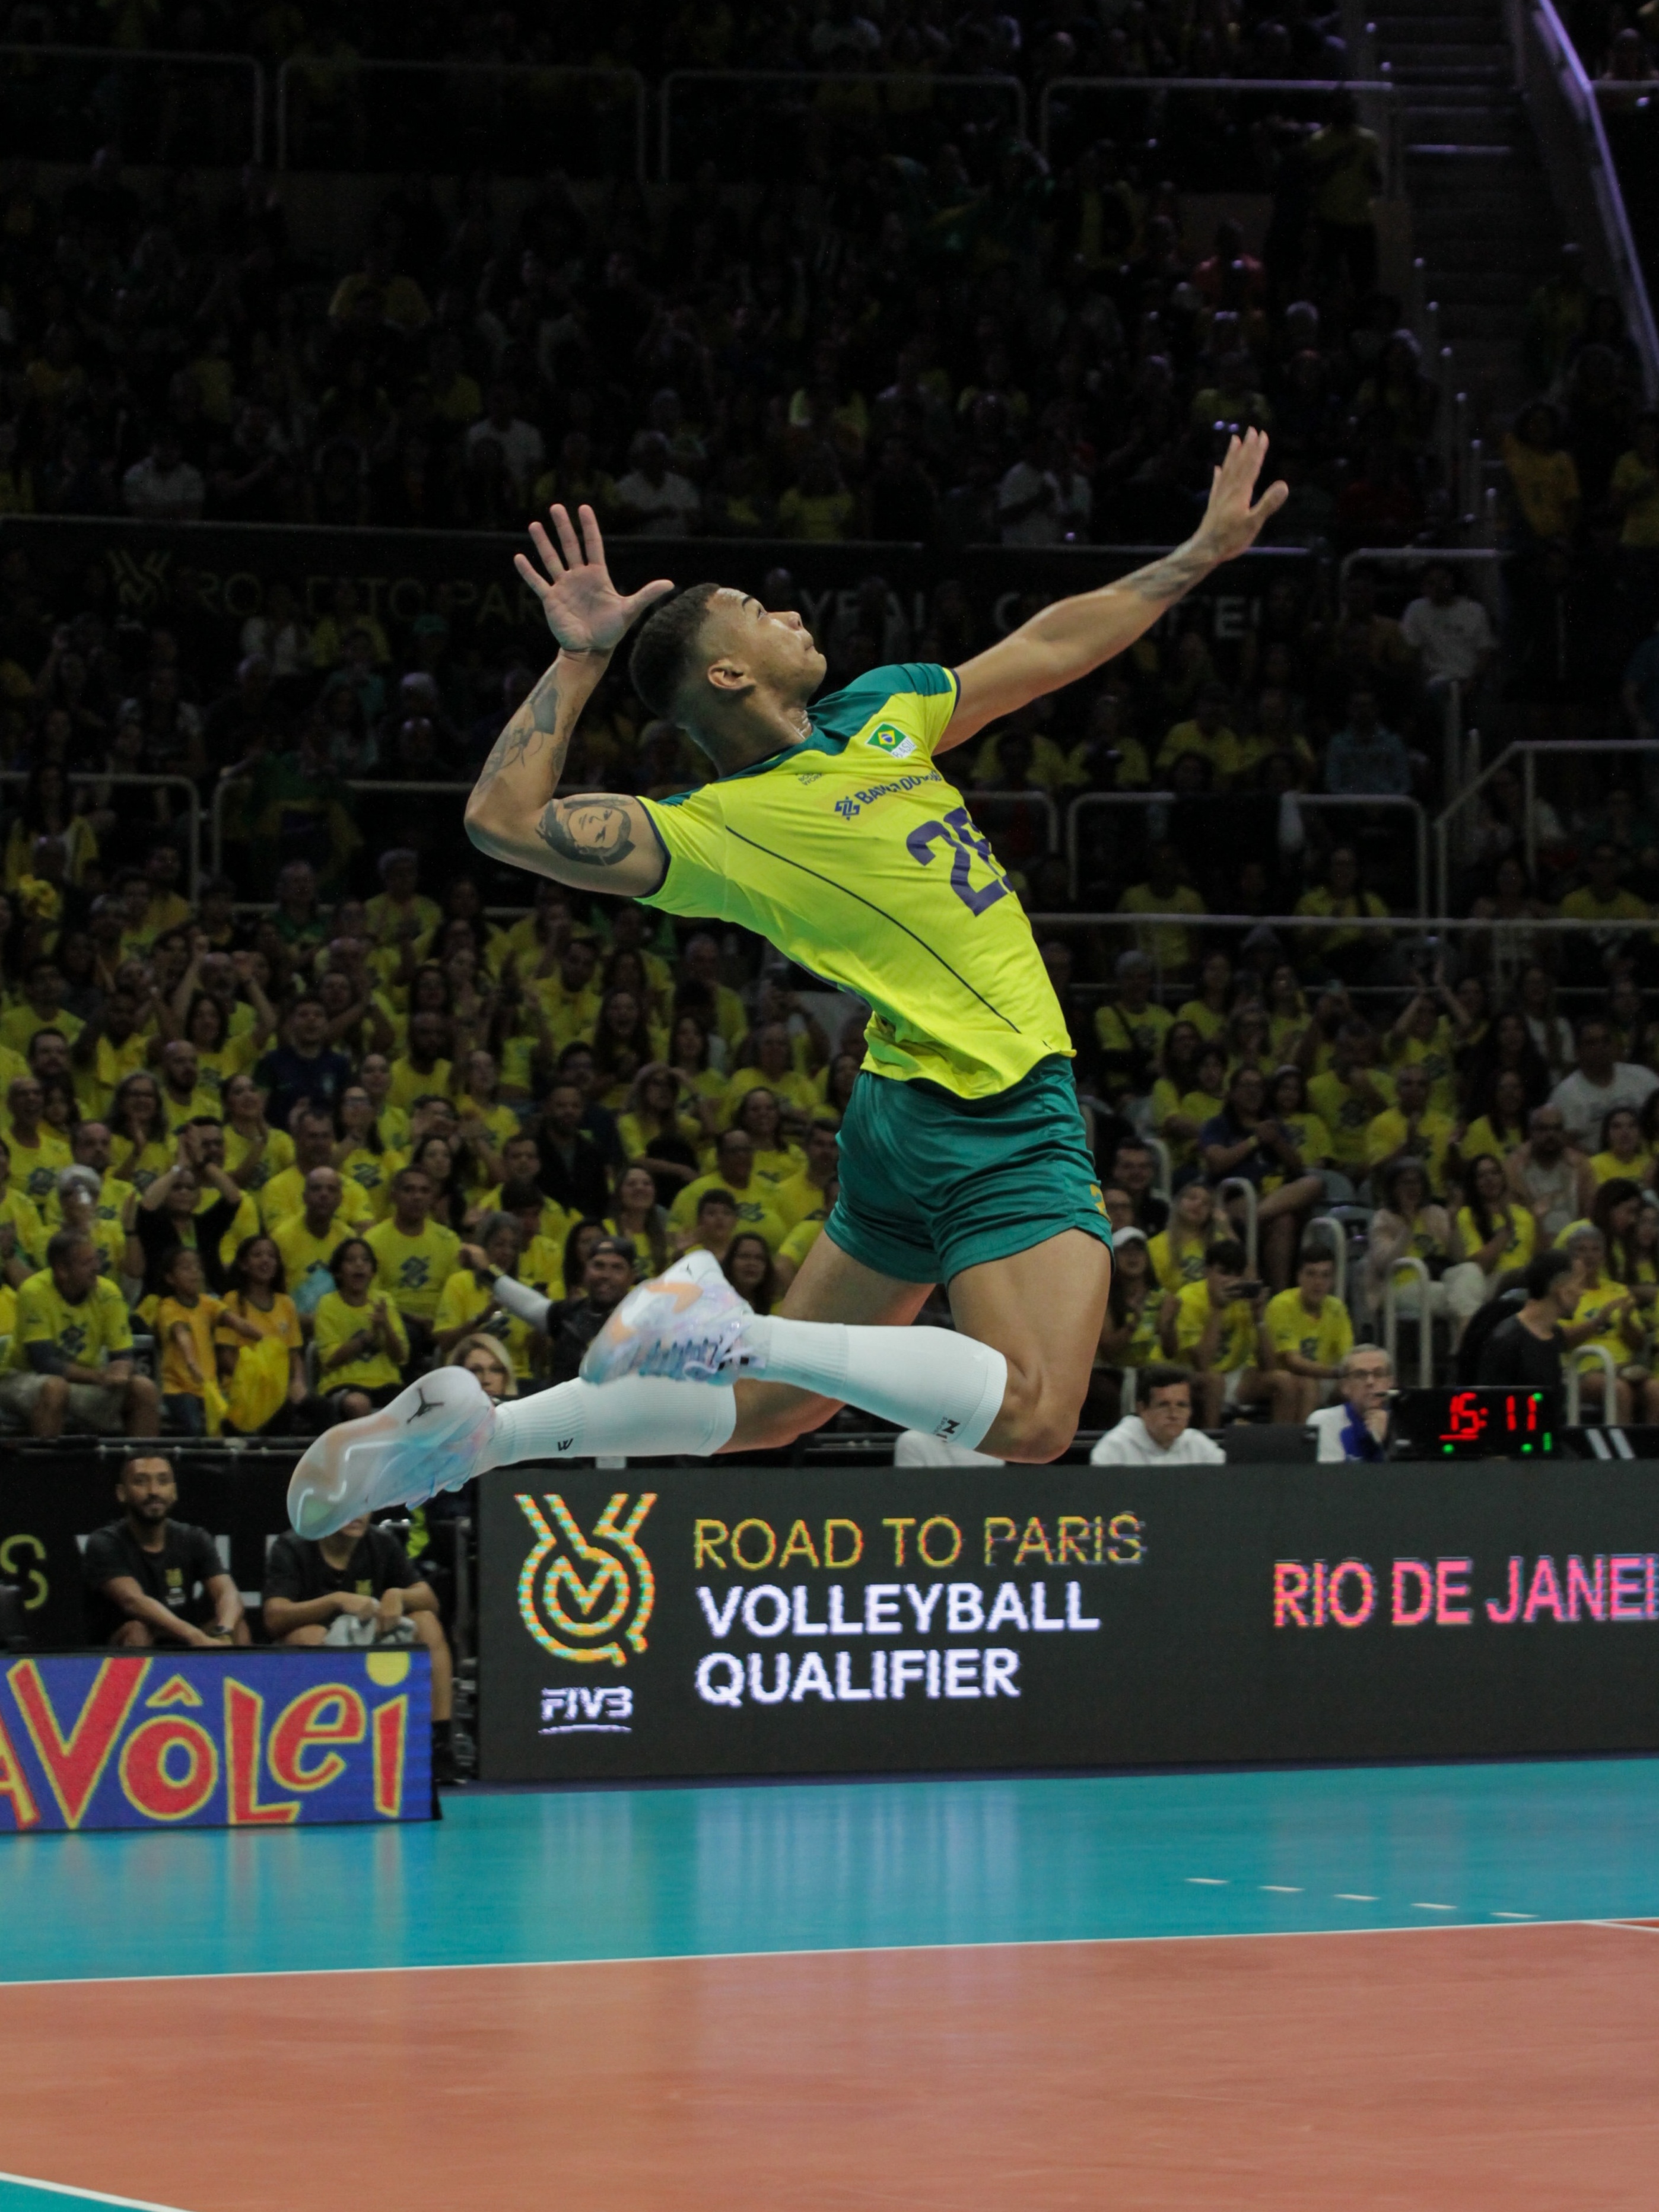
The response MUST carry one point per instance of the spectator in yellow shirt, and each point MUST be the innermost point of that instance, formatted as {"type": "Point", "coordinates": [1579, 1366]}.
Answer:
{"type": "Point", "coordinates": [1410, 1129]}
{"type": "Point", "coordinates": [1164, 892]}
{"type": "Point", "coordinates": [1130, 1028]}
{"type": "Point", "coordinates": [1310, 1332]}
{"type": "Point", "coordinates": [1215, 1328]}
{"type": "Point", "coordinates": [1544, 487]}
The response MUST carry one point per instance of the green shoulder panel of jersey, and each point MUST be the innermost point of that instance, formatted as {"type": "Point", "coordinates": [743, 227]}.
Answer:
{"type": "Point", "coordinates": [857, 859]}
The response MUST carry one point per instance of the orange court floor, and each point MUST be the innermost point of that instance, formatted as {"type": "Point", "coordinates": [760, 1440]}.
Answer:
{"type": "Point", "coordinates": [1408, 1987]}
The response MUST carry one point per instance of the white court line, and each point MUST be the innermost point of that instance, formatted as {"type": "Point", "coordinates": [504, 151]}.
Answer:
{"type": "Point", "coordinates": [812, 1951]}
{"type": "Point", "coordinates": [86, 2196]}
{"type": "Point", "coordinates": [1355, 1897]}
{"type": "Point", "coordinates": [1418, 1906]}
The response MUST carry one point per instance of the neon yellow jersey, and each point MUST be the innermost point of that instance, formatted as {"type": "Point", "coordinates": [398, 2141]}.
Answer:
{"type": "Point", "coordinates": [1325, 1337]}
{"type": "Point", "coordinates": [853, 855]}
{"type": "Point", "coordinates": [89, 1333]}
{"type": "Point", "coordinates": [413, 1270]}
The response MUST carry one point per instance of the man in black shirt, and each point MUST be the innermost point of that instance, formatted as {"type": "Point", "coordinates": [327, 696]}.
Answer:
{"type": "Point", "coordinates": [304, 1065]}
{"type": "Point", "coordinates": [572, 1324]}
{"type": "Point", "coordinates": [1525, 1351]}
{"type": "Point", "coordinates": [363, 1572]}
{"type": "Point", "coordinates": [150, 1579]}
{"type": "Point", "coordinates": [572, 1172]}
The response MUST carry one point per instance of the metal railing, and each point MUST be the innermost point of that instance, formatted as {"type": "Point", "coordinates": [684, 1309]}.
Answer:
{"type": "Point", "coordinates": [1575, 1385]}
{"type": "Point", "coordinates": [527, 97]}
{"type": "Point", "coordinates": [79, 780]}
{"type": "Point", "coordinates": [1526, 751]}
{"type": "Point", "coordinates": [919, 85]}
{"type": "Point", "coordinates": [983, 804]}
{"type": "Point", "coordinates": [1337, 1238]}
{"type": "Point", "coordinates": [1548, 68]}
{"type": "Point", "coordinates": [1412, 1265]}
{"type": "Point", "coordinates": [1378, 96]}
{"type": "Point", "coordinates": [107, 117]}
{"type": "Point", "coordinates": [1313, 802]}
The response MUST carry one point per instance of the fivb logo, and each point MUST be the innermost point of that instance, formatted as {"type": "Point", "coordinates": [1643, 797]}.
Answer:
{"type": "Point", "coordinates": [581, 1597]}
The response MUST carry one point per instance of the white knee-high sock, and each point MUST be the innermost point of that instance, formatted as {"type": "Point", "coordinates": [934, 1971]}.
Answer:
{"type": "Point", "coordinates": [640, 1417]}
{"type": "Point", "coordinates": [929, 1379]}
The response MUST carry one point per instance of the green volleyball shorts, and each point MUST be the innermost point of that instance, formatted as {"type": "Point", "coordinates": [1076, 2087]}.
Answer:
{"type": "Point", "coordinates": [932, 1184]}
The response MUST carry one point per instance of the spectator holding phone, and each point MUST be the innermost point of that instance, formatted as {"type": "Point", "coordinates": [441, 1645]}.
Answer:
{"type": "Point", "coordinates": [1217, 1329]}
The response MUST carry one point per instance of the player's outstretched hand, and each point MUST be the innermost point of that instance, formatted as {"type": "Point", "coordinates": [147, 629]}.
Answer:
{"type": "Point", "coordinates": [584, 610]}
{"type": "Point", "coordinates": [1231, 523]}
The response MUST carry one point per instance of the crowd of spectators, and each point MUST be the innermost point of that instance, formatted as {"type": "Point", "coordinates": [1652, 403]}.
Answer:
{"type": "Point", "coordinates": [968, 347]}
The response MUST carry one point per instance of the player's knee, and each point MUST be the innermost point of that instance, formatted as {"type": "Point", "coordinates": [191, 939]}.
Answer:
{"type": "Point", "coordinates": [133, 1635]}
{"type": "Point", "coordinates": [1037, 1423]}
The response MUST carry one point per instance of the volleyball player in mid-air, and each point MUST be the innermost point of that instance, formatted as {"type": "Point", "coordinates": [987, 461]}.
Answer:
{"type": "Point", "coordinates": [830, 832]}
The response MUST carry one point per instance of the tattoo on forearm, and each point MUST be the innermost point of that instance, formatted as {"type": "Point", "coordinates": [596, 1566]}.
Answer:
{"type": "Point", "coordinates": [521, 741]}
{"type": "Point", "coordinates": [1171, 578]}
{"type": "Point", "coordinates": [595, 829]}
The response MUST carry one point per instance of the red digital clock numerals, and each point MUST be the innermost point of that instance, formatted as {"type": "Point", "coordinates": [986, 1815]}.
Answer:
{"type": "Point", "coordinates": [1470, 1417]}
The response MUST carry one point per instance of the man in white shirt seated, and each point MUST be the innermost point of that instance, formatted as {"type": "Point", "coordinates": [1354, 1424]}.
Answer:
{"type": "Point", "coordinates": [1161, 1432]}
{"type": "Point", "coordinates": [1450, 631]}
{"type": "Point", "coordinates": [1599, 1083]}
{"type": "Point", "coordinates": [1356, 1427]}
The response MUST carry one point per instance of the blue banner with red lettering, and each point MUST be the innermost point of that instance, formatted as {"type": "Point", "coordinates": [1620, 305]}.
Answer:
{"type": "Point", "coordinates": [247, 1739]}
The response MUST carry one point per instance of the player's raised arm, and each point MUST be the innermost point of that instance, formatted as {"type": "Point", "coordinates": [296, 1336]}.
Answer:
{"type": "Point", "coordinates": [1074, 636]}
{"type": "Point", "coordinates": [596, 840]}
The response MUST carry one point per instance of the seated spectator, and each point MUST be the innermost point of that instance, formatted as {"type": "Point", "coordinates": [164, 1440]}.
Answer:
{"type": "Point", "coordinates": [1544, 1172]}
{"type": "Point", "coordinates": [466, 1306]}
{"type": "Point", "coordinates": [717, 1221]}
{"type": "Point", "coordinates": [1246, 1142]}
{"type": "Point", "coordinates": [361, 1574]}
{"type": "Point", "coordinates": [168, 1215]}
{"type": "Point", "coordinates": [1128, 1334]}
{"type": "Point", "coordinates": [1215, 1328]}
{"type": "Point", "coordinates": [1347, 953]}
{"type": "Point", "coordinates": [735, 1173]}
{"type": "Point", "coordinates": [362, 1347]}
{"type": "Point", "coordinates": [1493, 1232]}
{"type": "Point", "coordinates": [487, 1358]}
{"type": "Point", "coordinates": [748, 1266]}
{"type": "Point", "coordinates": [1624, 1154]}
{"type": "Point", "coordinates": [1349, 1095]}
{"type": "Point", "coordinates": [164, 487]}
{"type": "Point", "coordinates": [1365, 760]}
{"type": "Point", "coordinates": [187, 1320]}
{"type": "Point", "coordinates": [1164, 892]}
{"type": "Point", "coordinates": [1310, 1332]}
{"type": "Point", "coordinates": [1130, 1028]}
{"type": "Point", "coordinates": [571, 1325]}
{"type": "Point", "coordinates": [1410, 1222]}
{"type": "Point", "coordinates": [653, 500]}
{"type": "Point", "coordinates": [1134, 1168]}
{"type": "Point", "coordinates": [1605, 1317]}
{"type": "Point", "coordinates": [1356, 1427]}
{"type": "Point", "coordinates": [1177, 1254]}
{"type": "Point", "coordinates": [1451, 632]}
{"type": "Point", "coordinates": [151, 1580]}
{"type": "Point", "coordinates": [1159, 1433]}
{"type": "Point", "coordinates": [264, 1382]}
{"type": "Point", "coordinates": [414, 1256]}
{"type": "Point", "coordinates": [69, 1363]}
{"type": "Point", "coordinates": [1410, 1129]}
{"type": "Point", "coordinates": [1598, 1083]}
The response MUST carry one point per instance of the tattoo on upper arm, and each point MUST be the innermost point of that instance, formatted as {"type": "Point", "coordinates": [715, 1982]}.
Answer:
{"type": "Point", "coordinates": [1169, 579]}
{"type": "Point", "coordinates": [595, 829]}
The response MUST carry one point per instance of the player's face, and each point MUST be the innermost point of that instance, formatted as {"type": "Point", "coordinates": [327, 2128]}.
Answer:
{"type": "Point", "coordinates": [777, 649]}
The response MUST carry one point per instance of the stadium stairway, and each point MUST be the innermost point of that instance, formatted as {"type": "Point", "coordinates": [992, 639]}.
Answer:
{"type": "Point", "coordinates": [1483, 217]}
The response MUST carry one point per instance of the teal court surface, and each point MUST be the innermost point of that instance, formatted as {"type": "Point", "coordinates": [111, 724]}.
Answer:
{"type": "Point", "coordinates": [1380, 1987]}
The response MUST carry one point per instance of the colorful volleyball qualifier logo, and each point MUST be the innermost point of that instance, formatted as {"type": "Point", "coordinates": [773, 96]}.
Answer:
{"type": "Point", "coordinates": [585, 1597]}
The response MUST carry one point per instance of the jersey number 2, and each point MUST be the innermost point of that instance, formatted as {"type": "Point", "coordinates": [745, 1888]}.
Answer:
{"type": "Point", "coordinates": [958, 832]}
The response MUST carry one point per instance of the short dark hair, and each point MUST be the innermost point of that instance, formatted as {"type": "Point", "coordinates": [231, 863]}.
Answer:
{"type": "Point", "coordinates": [1543, 1272]}
{"type": "Point", "coordinates": [1226, 1252]}
{"type": "Point", "coordinates": [716, 1198]}
{"type": "Point", "coordinates": [662, 651]}
{"type": "Point", "coordinates": [1159, 1375]}
{"type": "Point", "coordinates": [66, 1241]}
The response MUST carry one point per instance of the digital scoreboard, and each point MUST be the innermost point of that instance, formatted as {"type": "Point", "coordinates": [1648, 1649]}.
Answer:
{"type": "Point", "coordinates": [1495, 1421]}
